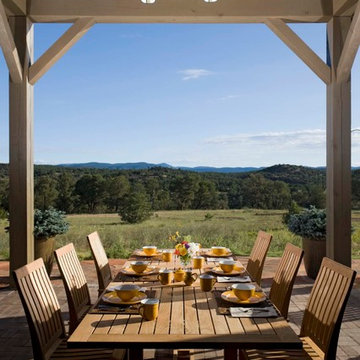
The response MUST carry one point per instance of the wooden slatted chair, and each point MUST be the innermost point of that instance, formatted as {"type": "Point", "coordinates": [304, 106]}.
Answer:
{"type": "Point", "coordinates": [75, 284]}
{"type": "Point", "coordinates": [103, 270]}
{"type": "Point", "coordinates": [257, 257]}
{"type": "Point", "coordinates": [284, 279]}
{"type": "Point", "coordinates": [322, 318]}
{"type": "Point", "coordinates": [44, 317]}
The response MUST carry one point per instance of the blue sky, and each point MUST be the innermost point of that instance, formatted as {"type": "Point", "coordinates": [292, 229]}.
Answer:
{"type": "Point", "coordinates": [216, 95]}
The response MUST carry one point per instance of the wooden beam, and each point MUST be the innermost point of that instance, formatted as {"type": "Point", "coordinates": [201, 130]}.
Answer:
{"type": "Point", "coordinates": [344, 7]}
{"type": "Point", "coordinates": [8, 47]}
{"type": "Point", "coordinates": [338, 150]}
{"type": "Point", "coordinates": [59, 48]}
{"type": "Point", "coordinates": [21, 168]}
{"type": "Point", "coordinates": [350, 48]}
{"type": "Point", "coordinates": [302, 50]}
{"type": "Point", "coordinates": [184, 11]}
{"type": "Point", "coordinates": [15, 7]}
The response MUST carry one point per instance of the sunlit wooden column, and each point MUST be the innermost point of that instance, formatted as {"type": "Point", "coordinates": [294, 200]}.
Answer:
{"type": "Point", "coordinates": [21, 169]}
{"type": "Point", "coordinates": [338, 137]}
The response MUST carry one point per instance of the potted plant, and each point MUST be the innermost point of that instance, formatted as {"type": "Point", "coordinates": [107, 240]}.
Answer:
{"type": "Point", "coordinates": [47, 224]}
{"type": "Point", "coordinates": [310, 224]}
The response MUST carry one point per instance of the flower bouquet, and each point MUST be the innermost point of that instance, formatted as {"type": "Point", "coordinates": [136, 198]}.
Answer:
{"type": "Point", "coordinates": [184, 248]}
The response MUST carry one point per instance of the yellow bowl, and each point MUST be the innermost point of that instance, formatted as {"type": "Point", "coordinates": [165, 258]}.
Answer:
{"type": "Point", "coordinates": [243, 291]}
{"type": "Point", "coordinates": [149, 250]}
{"type": "Point", "coordinates": [219, 250]}
{"type": "Point", "coordinates": [127, 292]}
{"type": "Point", "coordinates": [227, 266]}
{"type": "Point", "coordinates": [139, 266]}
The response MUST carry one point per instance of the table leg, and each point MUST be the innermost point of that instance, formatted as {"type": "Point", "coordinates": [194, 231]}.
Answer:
{"type": "Point", "coordinates": [230, 354]}
{"type": "Point", "coordinates": [135, 354]}
{"type": "Point", "coordinates": [242, 355]}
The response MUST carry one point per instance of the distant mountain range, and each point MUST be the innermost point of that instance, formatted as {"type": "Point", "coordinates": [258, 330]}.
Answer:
{"type": "Point", "coordinates": [145, 165]}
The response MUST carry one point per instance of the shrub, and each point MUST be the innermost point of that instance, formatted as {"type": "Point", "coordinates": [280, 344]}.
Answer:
{"type": "Point", "coordinates": [294, 208]}
{"type": "Point", "coordinates": [310, 223]}
{"type": "Point", "coordinates": [208, 216]}
{"type": "Point", "coordinates": [136, 206]}
{"type": "Point", "coordinates": [48, 223]}
{"type": "Point", "coordinates": [3, 214]}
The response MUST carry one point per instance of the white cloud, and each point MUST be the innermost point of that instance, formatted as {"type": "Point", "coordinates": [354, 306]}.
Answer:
{"type": "Point", "coordinates": [281, 139]}
{"type": "Point", "coordinates": [189, 74]}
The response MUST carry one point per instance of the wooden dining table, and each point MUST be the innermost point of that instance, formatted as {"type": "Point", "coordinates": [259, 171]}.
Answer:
{"type": "Point", "coordinates": [188, 319]}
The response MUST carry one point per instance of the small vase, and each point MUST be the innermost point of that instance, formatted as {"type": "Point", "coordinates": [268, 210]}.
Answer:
{"type": "Point", "coordinates": [184, 262]}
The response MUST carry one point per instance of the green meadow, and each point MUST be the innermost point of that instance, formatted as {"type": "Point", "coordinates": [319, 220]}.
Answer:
{"type": "Point", "coordinates": [235, 229]}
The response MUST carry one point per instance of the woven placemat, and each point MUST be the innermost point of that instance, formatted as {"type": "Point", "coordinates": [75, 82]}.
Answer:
{"type": "Point", "coordinates": [105, 308]}
{"type": "Point", "coordinates": [120, 277]}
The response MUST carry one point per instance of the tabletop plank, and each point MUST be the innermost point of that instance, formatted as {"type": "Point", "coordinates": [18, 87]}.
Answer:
{"type": "Point", "coordinates": [281, 328]}
{"type": "Point", "coordinates": [219, 321]}
{"type": "Point", "coordinates": [104, 326]}
{"type": "Point", "coordinates": [177, 311]}
{"type": "Point", "coordinates": [205, 321]}
{"type": "Point", "coordinates": [191, 323]}
{"type": "Point", "coordinates": [264, 326]}
{"type": "Point", "coordinates": [86, 327]}
{"type": "Point", "coordinates": [188, 318]}
{"type": "Point", "coordinates": [163, 320]}
{"type": "Point", "coordinates": [191, 341]}
{"type": "Point", "coordinates": [250, 326]}
{"type": "Point", "coordinates": [119, 324]}
{"type": "Point", "coordinates": [133, 325]}
{"type": "Point", "coordinates": [148, 327]}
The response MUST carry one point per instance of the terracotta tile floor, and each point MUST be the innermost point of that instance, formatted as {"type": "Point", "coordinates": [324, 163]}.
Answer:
{"type": "Point", "coordinates": [14, 336]}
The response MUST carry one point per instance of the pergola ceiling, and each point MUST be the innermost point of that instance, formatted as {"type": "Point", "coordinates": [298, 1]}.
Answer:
{"type": "Point", "coordinates": [181, 11]}
{"type": "Point", "coordinates": [17, 42]}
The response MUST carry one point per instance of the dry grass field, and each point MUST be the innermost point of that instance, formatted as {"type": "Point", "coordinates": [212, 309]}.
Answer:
{"type": "Point", "coordinates": [236, 229]}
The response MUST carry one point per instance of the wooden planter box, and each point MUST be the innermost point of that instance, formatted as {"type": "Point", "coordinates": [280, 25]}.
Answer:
{"type": "Point", "coordinates": [314, 251]}
{"type": "Point", "coordinates": [44, 248]}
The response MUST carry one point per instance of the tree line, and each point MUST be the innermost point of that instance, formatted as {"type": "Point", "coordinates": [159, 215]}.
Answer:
{"type": "Point", "coordinates": [98, 190]}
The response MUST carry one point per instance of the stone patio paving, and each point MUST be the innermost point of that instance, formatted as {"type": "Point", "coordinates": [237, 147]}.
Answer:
{"type": "Point", "coordinates": [15, 342]}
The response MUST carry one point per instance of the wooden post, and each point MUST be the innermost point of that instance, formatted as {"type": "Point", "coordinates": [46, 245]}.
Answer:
{"type": "Point", "coordinates": [21, 168]}
{"type": "Point", "coordinates": [338, 137]}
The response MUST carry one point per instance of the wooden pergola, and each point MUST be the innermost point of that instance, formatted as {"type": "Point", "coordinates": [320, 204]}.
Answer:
{"type": "Point", "coordinates": [16, 39]}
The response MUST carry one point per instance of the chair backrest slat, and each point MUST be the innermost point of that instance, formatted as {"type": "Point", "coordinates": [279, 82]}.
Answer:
{"type": "Point", "coordinates": [326, 306]}
{"type": "Point", "coordinates": [41, 307]}
{"type": "Point", "coordinates": [76, 288]}
{"type": "Point", "coordinates": [103, 270]}
{"type": "Point", "coordinates": [257, 257]}
{"type": "Point", "coordinates": [284, 278]}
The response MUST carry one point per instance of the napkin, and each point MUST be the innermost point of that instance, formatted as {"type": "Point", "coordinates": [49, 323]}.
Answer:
{"type": "Point", "coordinates": [219, 259]}
{"type": "Point", "coordinates": [256, 312]}
{"type": "Point", "coordinates": [233, 279]}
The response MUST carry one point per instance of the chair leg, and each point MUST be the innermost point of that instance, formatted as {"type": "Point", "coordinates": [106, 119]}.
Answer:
{"type": "Point", "coordinates": [242, 355]}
